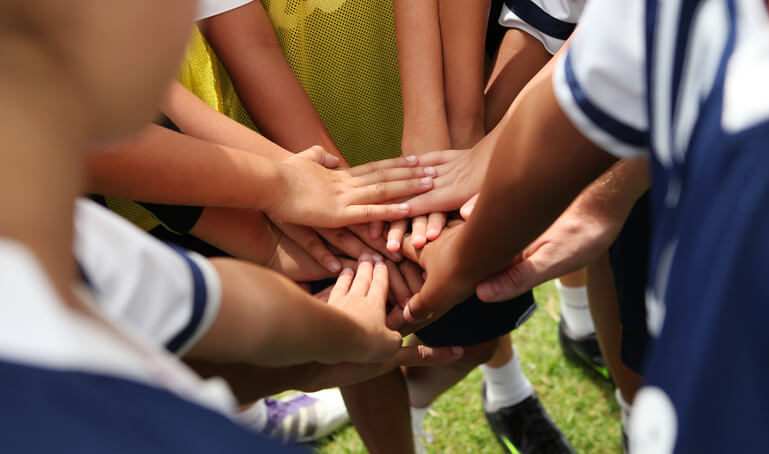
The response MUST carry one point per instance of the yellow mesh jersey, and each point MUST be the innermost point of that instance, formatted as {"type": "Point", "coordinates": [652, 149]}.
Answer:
{"type": "Point", "coordinates": [344, 54]}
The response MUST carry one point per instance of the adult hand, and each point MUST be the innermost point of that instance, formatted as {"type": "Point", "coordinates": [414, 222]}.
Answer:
{"type": "Point", "coordinates": [577, 238]}
{"type": "Point", "coordinates": [312, 195]}
{"type": "Point", "coordinates": [363, 297]}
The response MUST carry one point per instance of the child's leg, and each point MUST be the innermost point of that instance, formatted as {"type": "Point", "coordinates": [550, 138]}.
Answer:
{"type": "Point", "coordinates": [605, 310]}
{"type": "Point", "coordinates": [379, 410]}
{"type": "Point", "coordinates": [425, 384]}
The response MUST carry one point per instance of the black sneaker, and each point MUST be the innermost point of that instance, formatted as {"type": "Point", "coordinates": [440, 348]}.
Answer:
{"type": "Point", "coordinates": [583, 349]}
{"type": "Point", "coordinates": [526, 428]}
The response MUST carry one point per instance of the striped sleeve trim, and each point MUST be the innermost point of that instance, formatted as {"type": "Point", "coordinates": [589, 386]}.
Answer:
{"type": "Point", "coordinates": [609, 133]}
{"type": "Point", "coordinates": [206, 299]}
{"type": "Point", "coordinates": [538, 18]}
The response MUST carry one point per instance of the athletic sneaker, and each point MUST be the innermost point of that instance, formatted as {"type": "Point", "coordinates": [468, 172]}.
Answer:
{"type": "Point", "coordinates": [526, 428]}
{"type": "Point", "coordinates": [582, 349]}
{"type": "Point", "coordinates": [300, 418]}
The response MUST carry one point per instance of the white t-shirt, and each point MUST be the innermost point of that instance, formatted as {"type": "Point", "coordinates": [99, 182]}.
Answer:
{"type": "Point", "coordinates": [208, 8]}
{"type": "Point", "coordinates": [167, 294]}
{"type": "Point", "coordinates": [37, 329]}
{"type": "Point", "coordinates": [600, 83]}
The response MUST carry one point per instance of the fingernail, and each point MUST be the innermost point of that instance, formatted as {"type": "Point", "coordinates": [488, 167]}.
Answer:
{"type": "Point", "coordinates": [347, 271]}
{"type": "Point", "coordinates": [378, 258]}
{"type": "Point", "coordinates": [404, 207]}
{"type": "Point", "coordinates": [456, 350]}
{"type": "Point", "coordinates": [335, 266]}
{"type": "Point", "coordinates": [495, 285]}
{"type": "Point", "coordinates": [426, 180]}
{"type": "Point", "coordinates": [429, 316]}
{"type": "Point", "coordinates": [393, 244]}
{"type": "Point", "coordinates": [411, 159]}
{"type": "Point", "coordinates": [430, 171]}
{"type": "Point", "coordinates": [418, 239]}
{"type": "Point", "coordinates": [364, 257]}
{"type": "Point", "coordinates": [397, 256]}
{"type": "Point", "coordinates": [433, 233]}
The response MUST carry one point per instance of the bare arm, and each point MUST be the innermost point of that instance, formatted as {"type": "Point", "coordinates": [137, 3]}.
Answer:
{"type": "Point", "coordinates": [463, 32]}
{"type": "Point", "coordinates": [578, 237]}
{"type": "Point", "coordinates": [420, 59]}
{"type": "Point", "coordinates": [198, 119]}
{"type": "Point", "coordinates": [245, 42]}
{"type": "Point", "coordinates": [268, 320]}
{"type": "Point", "coordinates": [163, 166]}
{"type": "Point", "coordinates": [537, 143]}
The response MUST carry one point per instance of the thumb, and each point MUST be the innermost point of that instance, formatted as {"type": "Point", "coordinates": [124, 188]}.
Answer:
{"type": "Point", "coordinates": [467, 208]}
{"type": "Point", "coordinates": [417, 310]}
{"type": "Point", "coordinates": [513, 281]}
{"type": "Point", "coordinates": [320, 156]}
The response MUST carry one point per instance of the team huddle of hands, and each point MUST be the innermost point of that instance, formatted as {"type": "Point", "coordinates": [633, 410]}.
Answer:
{"type": "Point", "coordinates": [391, 231]}
{"type": "Point", "coordinates": [383, 228]}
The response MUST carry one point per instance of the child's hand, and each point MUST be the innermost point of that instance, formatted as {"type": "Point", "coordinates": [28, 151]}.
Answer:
{"type": "Point", "coordinates": [316, 196]}
{"type": "Point", "coordinates": [363, 298]}
{"type": "Point", "coordinates": [459, 176]}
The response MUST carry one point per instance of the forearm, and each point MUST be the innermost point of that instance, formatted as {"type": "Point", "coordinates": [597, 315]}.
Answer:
{"type": "Point", "coordinates": [163, 166]}
{"type": "Point", "coordinates": [420, 59]}
{"type": "Point", "coordinates": [198, 119]}
{"type": "Point", "coordinates": [250, 383]}
{"type": "Point", "coordinates": [268, 320]}
{"type": "Point", "coordinates": [246, 44]}
{"type": "Point", "coordinates": [612, 195]}
{"type": "Point", "coordinates": [463, 32]}
{"type": "Point", "coordinates": [537, 144]}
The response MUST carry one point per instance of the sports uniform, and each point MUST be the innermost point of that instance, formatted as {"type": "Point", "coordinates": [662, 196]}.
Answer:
{"type": "Point", "coordinates": [344, 54]}
{"type": "Point", "coordinates": [168, 294]}
{"type": "Point", "coordinates": [686, 81]}
{"type": "Point", "coordinates": [551, 22]}
{"type": "Point", "coordinates": [73, 384]}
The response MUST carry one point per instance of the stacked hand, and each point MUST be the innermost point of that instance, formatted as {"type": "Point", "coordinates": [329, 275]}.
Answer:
{"type": "Point", "coordinates": [311, 194]}
{"type": "Point", "coordinates": [362, 295]}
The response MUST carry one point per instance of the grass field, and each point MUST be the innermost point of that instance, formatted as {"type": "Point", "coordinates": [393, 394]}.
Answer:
{"type": "Point", "coordinates": [580, 402]}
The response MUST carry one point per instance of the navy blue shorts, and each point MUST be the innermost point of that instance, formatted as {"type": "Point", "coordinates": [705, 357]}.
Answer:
{"type": "Point", "coordinates": [629, 257]}
{"type": "Point", "coordinates": [473, 322]}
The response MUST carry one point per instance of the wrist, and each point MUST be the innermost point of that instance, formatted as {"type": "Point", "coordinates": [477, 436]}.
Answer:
{"type": "Point", "coordinates": [277, 181]}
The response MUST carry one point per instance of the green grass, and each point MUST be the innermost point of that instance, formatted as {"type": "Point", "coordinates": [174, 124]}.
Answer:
{"type": "Point", "coordinates": [580, 402]}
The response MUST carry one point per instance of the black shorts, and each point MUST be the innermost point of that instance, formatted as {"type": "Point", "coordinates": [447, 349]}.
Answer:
{"type": "Point", "coordinates": [473, 322]}
{"type": "Point", "coordinates": [629, 257]}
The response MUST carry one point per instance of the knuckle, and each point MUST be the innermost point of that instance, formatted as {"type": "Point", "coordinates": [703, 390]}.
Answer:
{"type": "Point", "coordinates": [380, 189]}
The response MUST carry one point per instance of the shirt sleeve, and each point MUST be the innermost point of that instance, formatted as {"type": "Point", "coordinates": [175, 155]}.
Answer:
{"type": "Point", "coordinates": [600, 83]}
{"type": "Point", "coordinates": [208, 8]}
{"type": "Point", "coordinates": [167, 294]}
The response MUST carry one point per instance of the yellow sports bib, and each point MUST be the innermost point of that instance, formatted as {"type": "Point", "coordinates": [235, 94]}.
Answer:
{"type": "Point", "coordinates": [344, 54]}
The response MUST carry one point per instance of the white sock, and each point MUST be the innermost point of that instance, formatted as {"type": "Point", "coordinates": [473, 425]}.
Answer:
{"type": "Point", "coordinates": [506, 385]}
{"type": "Point", "coordinates": [254, 417]}
{"type": "Point", "coordinates": [575, 309]}
{"type": "Point", "coordinates": [624, 409]}
{"type": "Point", "coordinates": [417, 419]}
